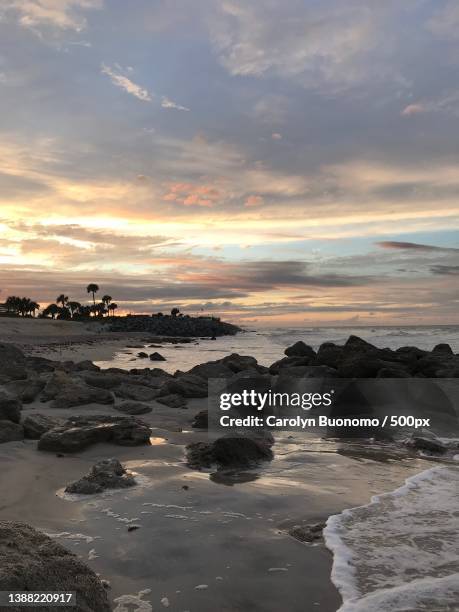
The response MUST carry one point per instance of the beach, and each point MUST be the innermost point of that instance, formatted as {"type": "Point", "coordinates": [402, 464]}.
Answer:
{"type": "Point", "coordinates": [187, 539]}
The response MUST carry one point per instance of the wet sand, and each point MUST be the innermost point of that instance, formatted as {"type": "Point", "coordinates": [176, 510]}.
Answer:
{"type": "Point", "coordinates": [228, 533]}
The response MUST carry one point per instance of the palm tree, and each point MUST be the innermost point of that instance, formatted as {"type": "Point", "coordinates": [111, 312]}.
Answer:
{"type": "Point", "coordinates": [62, 299]}
{"type": "Point", "coordinates": [33, 307]}
{"type": "Point", "coordinates": [99, 309]}
{"type": "Point", "coordinates": [174, 312]}
{"type": "Point", "coordinates": [113, 307]}
{"type": "Point", "coordinates": [52, 309]}
{"type": "Point", "coordinates": [106, 299]}
{"type": "Point", "coordinates": [93, 288]}
{"type": "Point", "coordinates": [74, 308]}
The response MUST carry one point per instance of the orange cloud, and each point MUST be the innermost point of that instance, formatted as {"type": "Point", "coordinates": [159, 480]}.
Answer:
{"type": "Point", "coordinates": [254, 200]}
{"type": "Point", "coordinates": [189, 194]}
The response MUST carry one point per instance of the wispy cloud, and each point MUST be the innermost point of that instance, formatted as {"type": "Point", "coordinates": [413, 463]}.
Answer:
{"type": "Point", "coordinates": [122, 81]}
{"type": "Point", "coordinates": [409, 246]}
{"type": "Point", "coordinates": [62, 14]}
{"type": "Point", "coordinates": [168, 103]}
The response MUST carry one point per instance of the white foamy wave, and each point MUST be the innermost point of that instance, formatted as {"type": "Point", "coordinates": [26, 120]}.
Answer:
{"type": "Point", "coordinates": [401, 551]}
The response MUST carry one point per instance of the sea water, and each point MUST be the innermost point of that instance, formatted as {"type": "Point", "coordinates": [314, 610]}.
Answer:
{"type": "Point", "coordinates": [401, 551]}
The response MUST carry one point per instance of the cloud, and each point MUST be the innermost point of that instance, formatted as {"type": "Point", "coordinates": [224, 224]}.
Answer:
{"type": "Point", "coordinates": [62, 14]}
{"type": "Point", "coordinates": [445, 270]}
{"type": "Point", "coordinates": [413, 109]}
{"type": "Point", "coordinates": [119, 80]}
{"type": "Point", "coordinates": [189, 194]}
{"type": "Point", "coordinates": [392, 244]}
{"type": "Point", "coordinates": [276, 136]}
{"type": "Point", "coordinates": [167, 103]}
{"type": "Point", "coordinates": [254, 200]}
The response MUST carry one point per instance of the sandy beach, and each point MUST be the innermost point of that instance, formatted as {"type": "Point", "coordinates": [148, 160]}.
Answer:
{"type": "Point", "coordinates": [186, 539]}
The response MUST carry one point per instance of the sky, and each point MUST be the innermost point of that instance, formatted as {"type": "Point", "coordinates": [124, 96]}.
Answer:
{"type": "Point", "coordinates": [275, 163]}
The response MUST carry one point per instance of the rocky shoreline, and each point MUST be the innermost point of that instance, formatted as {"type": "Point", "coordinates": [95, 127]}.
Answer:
{"type": "Point", "coordinates": [166, 325]}
{"type": "Point", "coordinates": [74, 387]}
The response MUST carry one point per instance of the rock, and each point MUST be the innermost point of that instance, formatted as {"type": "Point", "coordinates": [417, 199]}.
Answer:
{"type": "Point", "coordinates": [31, 390]}
{"type": "Point", "coordinates": [441, 364]}
{"type": "Point", "coordinates": [12, 371]}
{"type": "Point", "coordinates": [201, 420]}
{"type": "Point", "coordinates": [133, 408]}
{"type": "Point", "coordinates": [211, 369]}
{"type": "Point", "coordinates": [426, 443]}
{"type": "Point", "coordinates": [142, 355]}
{"type": "Point", "coordinates": [300, 349]}
{"type": "Point", "coordinates": [35, 425]}
{"type": "Point", "coordinates": [41, 365]}
{"type": "Point", "coordinates": [10, 432]}
{"type": "Point", "coordinates": [443, 349]}
{"type": "Point", "coordinates": [173, 400]}
{"type": "Point", "coordinates": [86, 366]}
{"type": "Point", "coordinates": [288, 363]}
{"type": "Point", "coordinates": [32, 561]}
{"type": "Point", "coordinates": [358, 344]}
{"type": "Point", "coordinates": [329, 354]}
{"type": "Point", "coordinates": [66, 392]}
{"type": "Point", "coordinates": [229, 451]}
{"type": "Point", "coordinates": [79, 432]}
{"type": "Point", "coordinates": [138, 393]}
{"type": "Point", "coordinates": [107, 474]}
{"type": "Point", "coordinates": [186, 385]}
{"type": "Point", "coordinates": [157, 357]}
{"type": "Point", "coordinates": [307, 533]}
{"type": "Point", "coordinates": [10, 408]}
{"type": "Point", "coordinates": [9, 355]}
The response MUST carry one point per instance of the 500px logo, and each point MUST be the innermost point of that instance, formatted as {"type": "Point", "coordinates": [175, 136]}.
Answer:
{"type": "Point", "coordinates": [271, 399]}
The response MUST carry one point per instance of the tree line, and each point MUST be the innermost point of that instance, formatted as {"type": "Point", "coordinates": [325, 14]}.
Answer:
{"type": "Point", "coordinates": [63, 308]}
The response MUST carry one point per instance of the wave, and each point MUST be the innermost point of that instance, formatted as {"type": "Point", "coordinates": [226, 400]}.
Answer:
{"type": "Point", "coordinates": [401, 551]}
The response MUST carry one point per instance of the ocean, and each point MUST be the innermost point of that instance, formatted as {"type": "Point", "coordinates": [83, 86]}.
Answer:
{"type": "Point", "coordinates": [400, 552]}
{"type": "Point", "coordinates": [268, 345]}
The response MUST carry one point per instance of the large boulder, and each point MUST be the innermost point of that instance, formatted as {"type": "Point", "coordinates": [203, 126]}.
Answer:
{"type": "Point", "coordinates": [35, 425]}
{"type": "Point", "coordinates": [106, 474]}
{"type": "Point", "coordinates": [138, 393]}
{"type": "Point", "coordinates": [80, 432]}
{"type": "Point", "coordinates": [173, 400]}
{"type": "Point", "coordinates": [300, 349]}
{"type": "Point", "coordinates": [157, 357]}
{"type": "Point", "coordinates": [67, 392]}
{"type": "Point", "coordinates": [31, 390]}
{"type": "Point", "coordinates": [201, 420]}
{"type": "Point", "coordinates": [10, 408]}
{"type": "Point", "coordinates": [10, 432]}
{"type": "Point", "coordinates": [288, 363]}
{"type": "Point", "coordinates": [187, 385]}
{"type": "Point", "coordinates": [12, 371]}
{"type": "Point", "coordinates": [133, 408]}
{"type": "Point", "coordinates": [10, 354]}
{"type": "Point", "coordinates": [230, 451]}
{"type": "Point", "coordinates": [31, 561]}
{"type": "Point", "coordinates": [329, 354]}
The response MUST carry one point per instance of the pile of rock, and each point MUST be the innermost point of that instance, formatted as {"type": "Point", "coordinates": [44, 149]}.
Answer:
{"type": "Point", "coordinates": [194, 327]}
{"type": "Point", "coordinates": [106, 474]}
{"type": "Point", "coordinates": [31, 561]}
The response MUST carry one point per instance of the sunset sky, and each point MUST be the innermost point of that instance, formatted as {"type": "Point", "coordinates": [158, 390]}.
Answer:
{"type": "Point", "coordinates": [275, 162]}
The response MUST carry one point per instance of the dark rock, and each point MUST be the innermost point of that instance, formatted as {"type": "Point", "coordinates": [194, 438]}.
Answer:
{"type": "Point", "coordinates": [443, 349]}
{"type": "Point", "coordinates": [307, 533]}
{"type": "Point", "coordinates": [107, 474]}
{"type": "Point", "coordinates": [229, 451]}
{"type": "Point", "coordinates": [133, 408]}
{"type": "Point", "coordinates": [86, 366]}
{"type": "Point", "coordinates": [329, 354]}
{"type": "Point", "coordinates": [142, 355]}
{"type": "Point", "coordinates": [10, 354]}
{"type": "Point", "coordinates": [392, 372]}
{"type": "Point", "coordinates": [300, 349]}
{"type": "Point", "coordinates": [79, 432]}
{"type": "Point", "coordinates": [133, 527]}
{"type": "Point", "coordinates": [31, 561]}
{"type": "Point", "coordinates": [12, 371]}
{"type": "Point", "coordinates": [35, 425]}
{"type": "Point", "coordinates": [186, 385]}
{"type": "Point", "coordinates": [358, 344]}
{"type": "Point", "coordinates": [173, 400]}
{"type": "Point", "coordinates": [201, 420]}
{"type": "Point", "coordinates": [138, 393]}
{"type": "Point", "coordinates": [10, 408]}
{"type": "Point", "coordinates": [288, 363]}
{"type": "Point", "coordinates": [426, 443]}
{"type": "Point", "coordinates": [31, 390]}
{"type": "Point", "coordinates": [67, 392]}
{"type": "Point", "coordinates": [10, 432]}
{"type": "Point", "coordinates": [211, 369]}
{"type": "Point", "coordinates": [157, 357]}
{"type": "Point", "coordinates": [41, 364]}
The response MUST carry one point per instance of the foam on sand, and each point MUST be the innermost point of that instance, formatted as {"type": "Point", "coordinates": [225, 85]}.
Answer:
{"type": "Point", "coordinates": [401, 551]}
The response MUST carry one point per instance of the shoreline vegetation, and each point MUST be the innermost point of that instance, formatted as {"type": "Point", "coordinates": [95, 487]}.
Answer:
{"type": "Point", "coordinates": [64, 309]}
{"type": "Point", "coordinates": [92, 430]}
